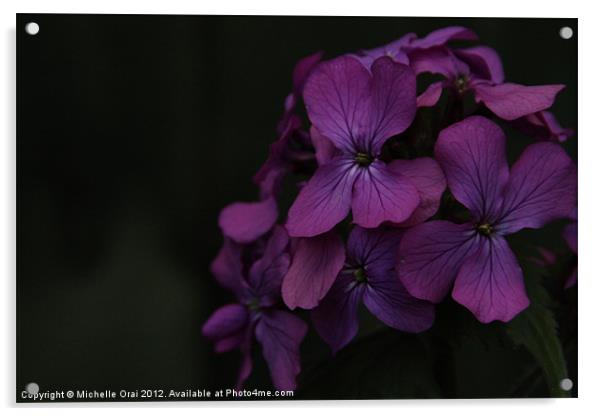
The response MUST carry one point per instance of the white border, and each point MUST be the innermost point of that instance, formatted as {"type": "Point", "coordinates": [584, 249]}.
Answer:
{"type": "Point", "coordinates": [590, 152]}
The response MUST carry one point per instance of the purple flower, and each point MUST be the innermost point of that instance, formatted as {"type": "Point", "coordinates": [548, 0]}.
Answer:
{"type": "Point", "coordinates": [316, 263]}
{"type": "Point", "coordinates": [441, 37]}
{"type": "Point", "coordinates": [245, 222]}
{"type": "Point", "coordinates": [300, 73]}
{"type": "Point", "coordinates": [256, 315]}
{"type": "Point", "coordinates": [317, 260]}
{"type": "Point", "coordinates": [283, 155]}
{"type": "Point", "coordinates": [474, 257]}
{"type": "Point", "coordinates": [369, 276]}
{"type": "Point", "coordinates": [543, 126]}
{"type": "Point", "coordinates": [357, 111]}
{"type": "Point", "coordinates": [479, 69]}
{"type": "Point", "coordinates": [393, 50]}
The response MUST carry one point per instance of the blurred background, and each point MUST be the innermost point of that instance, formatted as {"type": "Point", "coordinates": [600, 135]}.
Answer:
{"type": "Point", "coordinates": [133, 133]}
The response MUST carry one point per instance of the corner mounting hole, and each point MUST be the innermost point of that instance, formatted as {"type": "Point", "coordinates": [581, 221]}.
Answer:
{"type": "Point", "coordinates": [32, 28]}
{"type": "Point", "coordinates": [566, 32]}
{"type": "Point", "coordinates": [566, 384]}
{"type": "Point", "coordinates": [32, 388]}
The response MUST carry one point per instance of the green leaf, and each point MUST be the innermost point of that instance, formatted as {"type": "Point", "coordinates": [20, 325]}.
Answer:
{"type": "Point", "coordinates": [385, 365]}
{"type": "Point", "coordinates": [536, 330]}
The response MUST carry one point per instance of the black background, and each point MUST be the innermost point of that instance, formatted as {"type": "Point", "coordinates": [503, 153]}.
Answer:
{"type": "Point", "coordinates": [133, 133]}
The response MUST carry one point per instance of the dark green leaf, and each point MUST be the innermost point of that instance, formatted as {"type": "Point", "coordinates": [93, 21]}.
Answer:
{"type": "Point", "coordinates": [386, 365]}
{"type": "Point", "coordinates": [536, 330]}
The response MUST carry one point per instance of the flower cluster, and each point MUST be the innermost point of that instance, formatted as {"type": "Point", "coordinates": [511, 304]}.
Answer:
{"type": "Point", "coordinates": [369, 176]}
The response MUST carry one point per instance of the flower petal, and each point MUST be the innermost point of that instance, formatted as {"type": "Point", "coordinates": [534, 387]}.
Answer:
{"type": "Point", "coordinates": [472, 154]}
{"type": "Point", "coordinates": [490, 283]}
{"type": "Point", "coordinates": [335, 318]}
{"type": "Point", "coordinates": [324, 201]}
{"type": "Point", "coordinates": [511, 101]}
{"type": "Point", "coordinates": [437, 61]}
{"type": "Point", "coordinates": [280, 334]}
{"type": "Point", "coordinates": [429, 181]}
{"type": "Point", "coordinates": [358, 111]}
{"type": "Point", "coordinates": [543, 126]}
{"type": "Point", "coordinates": [389, 301]}
{"type": "Point", "coordinates": [336, 95]}
{"type": "Point", "coordinates": [245, 222]}
{"type": "Point", "coordinates": [373, 247]}
{"type": "Point", "coordinates": [440, 37]}
{"type": "Point", "coordinates": [570, 236]}
{"type": "Point", "coordinates": [246, 365]}
{"type": "Point", "coordinates": [375, 251]}
{"type": "Point", "coordinates": [392, 50]}
{"type": "Point", "coordinates": [571, 280]}
{"type": "Point", "coordinates": [325, 150]}
{"type": "Point", "coordinates": [430, 255]}
{"type": "Point", "coordinates": [431, 95]}
{"type": "Point", "coordinates": [542, 187]}
{"type": "Point", "coordinates": [225, 322]}
{"type": "Point", "coordinates": [277, 164]}
{"type": "Point", "coordinates": [484, 62]}
{"type": "Point", "coordinates": [380, 195]}
{"type": "Point", "coordinates": [392, 103]}
{"type": "Point", "coordinates": [316, 264]}
{"type": "Point", "coordinates": [302, 70]}
{"type": "Point", "coordinates": [266, 274]}
{"type": "Point", "coordinates": [227, 267]}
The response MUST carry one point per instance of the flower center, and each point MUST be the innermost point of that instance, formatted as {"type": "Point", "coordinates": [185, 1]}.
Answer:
{"type": "Point", "coordinates": [485, 229]}
{"type": "Point", "coordinates": [461, 83]}
{"type": "Point", "coordinates": [253, 304]}
{"type": "Point", "coordinates": [363, 159]}
{"type": "Point", "coordinates": [360, 275]}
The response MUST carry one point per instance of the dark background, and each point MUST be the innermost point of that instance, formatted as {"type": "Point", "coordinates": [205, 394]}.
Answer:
{"type": "Point", "coordinates": [132, 133]}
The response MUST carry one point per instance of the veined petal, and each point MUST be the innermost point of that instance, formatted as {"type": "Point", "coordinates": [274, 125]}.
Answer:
{"type": "Point", "coordinates": [387, 298]}
{"type": "Point", "coordinates": [266, 274]}
{"type": "Point", "coordinates": [472, 154]}
{"type": "Point", "coordinates": [245, 222]}
{"type": "Point", "coordinates": [484, 62]}
{"type": "Point", "coordinates": [359, 110]}
{"type": "Point", "coordinates": [337, 95]}
{"type": "Point", "coordinates": [374, 249]}
{"type": "Point", "coordinates": [335, 318]}
{"type": "Point", "coordinates": [325, 200]}
{"type": "Point", "coordinates": [429, 181]}
{"type": "Point", "coordinates": [316, 264]}
{"type": "Point", "coordinates": [490, 283]}
{"type": "Point", "coordinates": [280, 334]}
{"type": "Point", "coordinates": [511, 101]}
{"type": "Point", "coordinates": [392, 103]}
{"type": "Point", "coordinates": [430, 255]}
{"type": "Point", "coordinates": [225, 322]}
{"type": "Point", "coordinates": [380, 195]}
{"type": "Point", "coordinates": [542, 188]}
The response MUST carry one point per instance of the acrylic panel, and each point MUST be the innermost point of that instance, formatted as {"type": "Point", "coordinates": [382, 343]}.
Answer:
{"type": "Point", "coordinates": [287, 207]}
